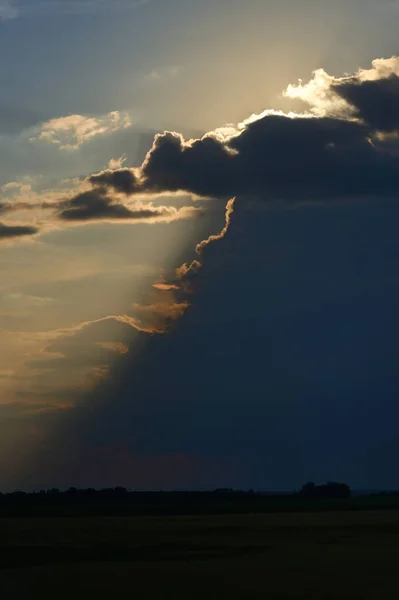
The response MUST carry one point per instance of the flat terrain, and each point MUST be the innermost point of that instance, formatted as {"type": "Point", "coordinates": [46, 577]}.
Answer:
{"type": "Point", "coordinates": [308, 555]}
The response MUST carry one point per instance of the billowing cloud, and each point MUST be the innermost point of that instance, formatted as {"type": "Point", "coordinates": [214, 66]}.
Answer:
{"type": "Point", "coordinates": [70, 132]}
{"type": "Point", "coordinates": [324, 153]}
{"type": "Point", "coordinates": [117, 163]}
{"type": "Point", "coordinates": [371, 95]}
{"type": "Point", "coordinates": [16, 231]}
{"type": "Point", "coordinates": [275, 157]}
{"type": "Point", "coordinates": [375, 102]}
{"type": "Point", "coordinates": [338, 149]}
{"type": "Point", "coordinates": [188, 272]}
{"type": "Point", "coordinates": [219, 236]}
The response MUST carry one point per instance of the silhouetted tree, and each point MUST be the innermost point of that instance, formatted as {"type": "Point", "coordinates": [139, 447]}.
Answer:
{"type": "Point", "coordinates": [332, 489]}
{"type": "Point", "coordinates": [308, 489]}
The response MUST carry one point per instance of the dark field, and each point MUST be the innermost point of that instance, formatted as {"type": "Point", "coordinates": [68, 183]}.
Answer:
{"type": "Point", "coordinates": [308, 555]}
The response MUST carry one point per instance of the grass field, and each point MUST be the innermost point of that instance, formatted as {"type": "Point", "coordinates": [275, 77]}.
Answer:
{"type": "Point", "coordinates": [308, 555]}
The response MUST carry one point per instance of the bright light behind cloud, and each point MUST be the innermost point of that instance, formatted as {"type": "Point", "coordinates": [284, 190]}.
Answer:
{"type": "Point", "coordinates": [317, 92]}
{"type": "Point", "coordinates": [320, 92]}
{"type": "Point", "coordinates": [74, 300]}
{"type": "Point", "coordinates": [117, 163]}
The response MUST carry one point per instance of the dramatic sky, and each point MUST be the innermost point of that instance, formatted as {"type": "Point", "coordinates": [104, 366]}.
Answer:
{"type": "Point", "coordinates": [199, 243]}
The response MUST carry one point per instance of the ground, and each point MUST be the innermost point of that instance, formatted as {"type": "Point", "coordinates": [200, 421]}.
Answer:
{"type": "Point", "coordinates": [327, 555]}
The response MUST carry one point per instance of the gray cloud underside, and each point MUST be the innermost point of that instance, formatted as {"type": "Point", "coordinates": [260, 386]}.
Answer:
{"type": "Point", "coordinates": [282, 156]}
{"type": "Point", "coordinates": [270, 156]}
{"type": "Point", "coordinates": [276, 156]}
{"type": "Point", "coordinates": [121, 180]}
{"type": "Point", "coordinates": [376, 102]}
{"type": "Point", "coordinates": [318, 319]}
{"type": "Point", "coordinates": [96, 205]}
{"type": "Point", "coordinates": [13, 231]}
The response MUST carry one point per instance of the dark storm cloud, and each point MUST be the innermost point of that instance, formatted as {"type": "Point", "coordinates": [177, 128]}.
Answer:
{"type": "Point", "coordinates": [376, 102]}
{"type": "Point", "coordinates": [90, 205]}
{"type": "Point", "coordinates": [336, 151]}
{"type": "Point", "coordinates": [122, 180]}
{"type": "Point", "coordinates": [14, 231]}
{"type": "Point", "coordinates": [97, 205]}
{"type": "Point", "coordinates": [288, 361]}
{"type": "Point", "coordinates": [275, 157]}
{"type": "Point", "coordinates": [205, 167]}
{"type": "Point", "coordinates": [294, 327]}
{"type": "Point", "coordinates": [187, 273]}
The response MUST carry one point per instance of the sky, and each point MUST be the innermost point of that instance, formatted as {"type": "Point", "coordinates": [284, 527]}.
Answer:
{"type": "Point", "coordinates": [198, 243]}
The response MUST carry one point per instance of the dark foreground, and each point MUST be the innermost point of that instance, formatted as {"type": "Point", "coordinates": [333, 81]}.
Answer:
{"type": "Point", "coordinates": [308, 555]}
